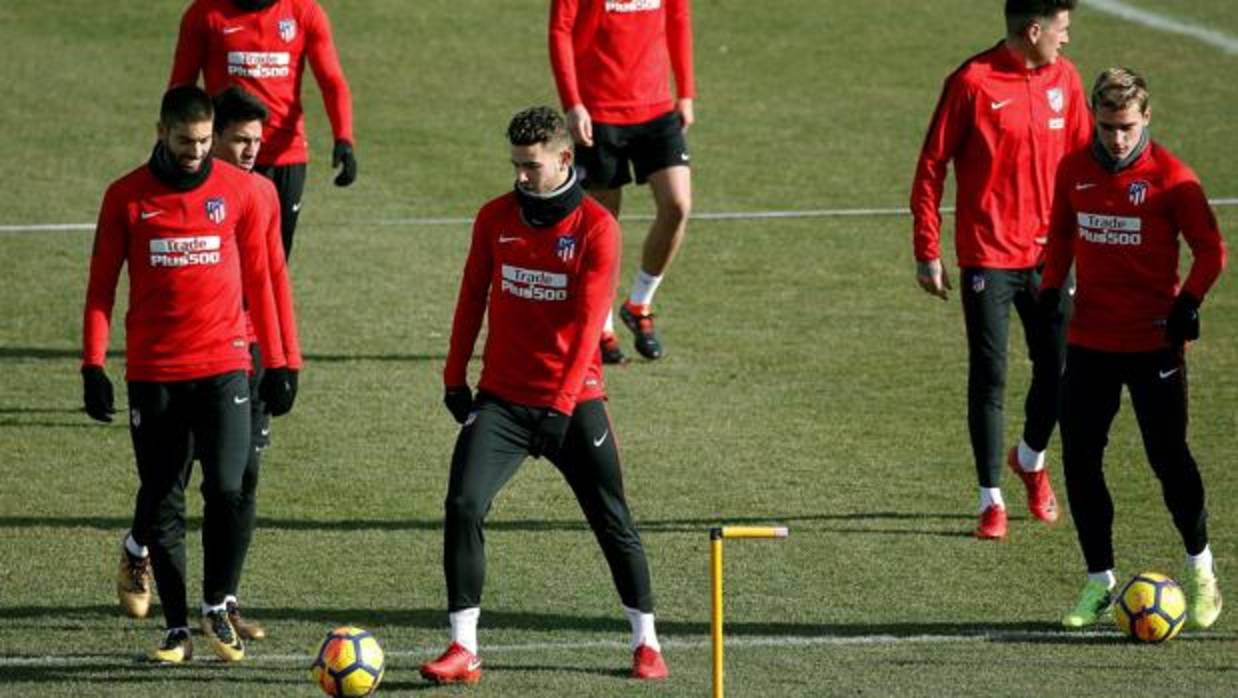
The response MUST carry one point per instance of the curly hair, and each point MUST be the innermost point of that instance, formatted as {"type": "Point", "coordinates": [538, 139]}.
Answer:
{"type": "Point", "coordinates": [537, 125]}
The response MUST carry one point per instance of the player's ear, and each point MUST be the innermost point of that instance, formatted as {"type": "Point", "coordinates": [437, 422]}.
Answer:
{"type": "Point", "coordinates": [565, 158]}
{"type": "Point", "coordinates": [161, 131]}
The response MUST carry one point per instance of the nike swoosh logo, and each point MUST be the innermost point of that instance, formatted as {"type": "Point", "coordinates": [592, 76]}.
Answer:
{"type": "Point", "coordinates": [149, 214]}
{"type": "Point", "coordinates": [240, 400]}
{"type": "Point", "coordinates": [473, 665]}
{"type": "Point", "coordinates": [597, 443]}
{"type": "Point", "coordinates": [296, 207]}
{"type": "Point", "coordinates": [266, 432]}
{"type": "Point", "coordinates": [232, 30]}
{"type": "Point", "coordinates": [503, 239]}
{"type": "Point", "coordinates": [1166, 374]}
{"type": "Point", "coordinates": [998, 105]}
{"type": "Point", "coordinates": [1084, 185]}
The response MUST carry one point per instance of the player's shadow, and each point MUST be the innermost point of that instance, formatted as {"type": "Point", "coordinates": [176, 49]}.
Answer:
{"type": "Point", "coordinates": [144, 678]}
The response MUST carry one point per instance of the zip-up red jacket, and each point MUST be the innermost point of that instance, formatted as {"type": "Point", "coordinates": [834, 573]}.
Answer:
{"type": "Point", "coordinates": [615, 56]}
{"type": "Point", "coordinates": [1121, 230]}
{"type": "Point", "coordinates": [1005, 126]}
{"type": "Point", "coordinates": [191, 256]}
{"type": "Point", "coordinates": [548, 292]}
{"type": "Point", "coordinates": [265, 52]}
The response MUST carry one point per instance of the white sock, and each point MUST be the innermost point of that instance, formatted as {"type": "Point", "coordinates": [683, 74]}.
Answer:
{"type": "Point", "coordinates": [1105, 578]}
{"type": "Point", "coordinates": [609, 326]}
{"type": "Point", "coordinates": [643, 632]}
{"type": "Point", "coordinates": [464, 627]}
{"type": "Point", "coordinates": [133, 548]}
{"type": "Point", "coordinates": [207, 608]}
{"type": "Point", "coordinates": [991, 496]}
{"type": "Point", "coordinates": [230, 598]}
{"type": "Point", "coordinates": [643, 288]}
{"type": "Point", "coordinates": [1201, 562]}
{"type": "Point", "coordinates": [1030, 460]}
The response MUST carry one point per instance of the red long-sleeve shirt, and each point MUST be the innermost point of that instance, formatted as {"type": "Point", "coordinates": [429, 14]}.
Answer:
{"type": "Point", "coordinates": [1121, 230]}
{"type": "Point", "coordinates": [265, 52]}
{"type": "Point", "coordinates": [615, 56]}
{"type": "Point", "coordinates": [1006, 127]}
{"type": "Point", "coordinates": [191, 256]}
{"type": "Point", "coordinates": [548, 292]}
{"type": "Point", "coordinates": [281, 285]}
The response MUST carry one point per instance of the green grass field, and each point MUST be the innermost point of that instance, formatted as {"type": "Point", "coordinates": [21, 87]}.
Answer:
{"type": "Point", "coordinates": [808, 381]}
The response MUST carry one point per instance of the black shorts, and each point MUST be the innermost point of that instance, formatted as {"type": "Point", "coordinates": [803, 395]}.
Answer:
{"type": "Point", "coordinates": [649, 147]}
{"type": "Point", "coordinates": [290, 183]}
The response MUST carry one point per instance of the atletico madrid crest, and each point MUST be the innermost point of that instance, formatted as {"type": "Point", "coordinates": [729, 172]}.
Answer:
{"type": "Point", "coordinates": [565, 248]}
{"type": "Point", "coordinates": [288, 29]}
{"type": "Point", "coordinates": [1137, 192]}
{"type": "Point", "coordinates": [1057, 99]}
{"type": "Point", "coordinates": [216, 210]}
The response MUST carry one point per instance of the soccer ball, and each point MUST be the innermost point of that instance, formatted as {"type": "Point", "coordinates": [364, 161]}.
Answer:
{"type": "Point", "coordinates": [349, 663]}
{"type": "Point", "coordinates": [1151, 608]}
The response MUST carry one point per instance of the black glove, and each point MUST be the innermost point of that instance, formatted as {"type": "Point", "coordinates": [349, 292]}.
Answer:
{"type": "Point", "coordinates": [459, 401]}
{"type": "Point", "coordinates": [278, 390]}
{"type": "Point", "coordinates": [1182, 325]}
{"type": "Point", "coordinates": [1049, 302]}
{"type": "Point", "coordinates": [343, 155]}
{"type": "Point", "coordinates": [548, 437]}
{"type": "Point", "coordinates": [97, 394]}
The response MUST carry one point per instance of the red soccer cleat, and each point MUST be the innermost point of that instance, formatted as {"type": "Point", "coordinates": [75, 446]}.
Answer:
{"type": "Point", "coordinates": [647, 664]}
{"type": "Point", "coordinates": [456, 665]}
{"type": "Point", "coordinates": [1041, 501]}
{"type": "Point", "coordinates": [992, 523]}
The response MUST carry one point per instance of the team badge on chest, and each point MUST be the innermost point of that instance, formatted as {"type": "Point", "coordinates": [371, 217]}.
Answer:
{"type": "Point", "coordinates": [216, 210]}
{"type": "Point", "coordinates": [565, 248]}
{"type": "Point", "coordinates": [1057, 99]}
{"type": "Point", "coordinates": [1137, 192]}
{"type": "Point", "coordinates": [288, 29]}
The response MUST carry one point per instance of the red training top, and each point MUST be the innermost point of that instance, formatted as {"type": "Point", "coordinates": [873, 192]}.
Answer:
{"type": "Point", "coordinates": [264, 51]}
{"type": "Point", "coordinates": [548, 291]}
{"type": "Point", "coordinates": [281, 285]}
{"type": "Point", "coordinates": [1006, 127]}
{"type": "Point", "coordinates": [614, 56]}
{"type": "Point", "coordinates": [191, 255]}
{"type": "Point", "coordinates": [1121, 230]}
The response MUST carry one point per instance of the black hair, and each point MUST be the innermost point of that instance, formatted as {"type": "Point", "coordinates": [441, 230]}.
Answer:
{"type": "Point", "coordinates": [236, 105]}
{"type": "Point", "coordinates": [537, 125]}
{"type": "Point", "coordinates": [185, 104]}
{"type": "Point", "coordinates": [1020, 13]}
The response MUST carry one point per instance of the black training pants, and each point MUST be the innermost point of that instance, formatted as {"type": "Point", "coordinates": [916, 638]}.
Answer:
{"type": "Point", "coordinates": [290, 183]}
{"type": "Point", "coordinates": [988, 295]}
{"type": "Point", "coordinates": [166, 421]}
{"type": "Point", "coordinates": [489, 450]}
{"type": "Point", "coordinates": [1091, 394]}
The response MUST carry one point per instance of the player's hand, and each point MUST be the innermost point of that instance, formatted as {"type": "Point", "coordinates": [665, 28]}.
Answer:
{"type": "Point", "coordinates": [1049, 302]}
{"type": "Point", "coordinates": [343, 155]}
{"type": "Point", "coordinates": [459, 402]}
{"type": "Point", "coordinates": [933, 278]}
{"type": "Point", "coordinates": [278, 390]}
{"type": "Point", "coordinates": [580, 125]}
{"type": "Point", "coordinates": [1182, 325]}
{"type": "Point", "coordinates": [97, 394]}
{"type": "Point", "coordinates": [687, 114]}
{"type": "Point", "coordinates": [547, 439]}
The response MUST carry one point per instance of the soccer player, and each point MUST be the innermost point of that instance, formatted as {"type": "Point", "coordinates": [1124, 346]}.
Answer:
{"type": "Point", "coordinates": [237, 141]}
{"type": "Point", "coordinates": [611, 61]}
{"type": "Point", "coordinates": [1121, 206]}
{"type": "Point", "coordinates": [192, 231]}
{"type": "Point", "coordinates": [542, 267]}
{"type": "Point", "coordinates": [1005, 119]}
{"type": "Point", "coordinates": [263, 45]}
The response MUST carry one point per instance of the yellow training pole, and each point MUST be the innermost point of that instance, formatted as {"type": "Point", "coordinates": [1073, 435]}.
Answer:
{"type": "Point", "coordinates": [716, 536]}
{"type": "Point", "coordinates": [715, 605]}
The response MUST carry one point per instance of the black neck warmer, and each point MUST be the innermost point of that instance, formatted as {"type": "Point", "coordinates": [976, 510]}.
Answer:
{"type": "Point", "coordinates": [165, 170]}
{"type": "Point", "coordinates": [544, 210]}
{"type": "Point", "coordinates": [1113, 164]}
{"type": "Point", "coordinates": [252, 5]}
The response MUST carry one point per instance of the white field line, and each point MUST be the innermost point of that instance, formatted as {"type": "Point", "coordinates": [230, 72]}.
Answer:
{"type": "Point", "coordinates": [669, 644]}
{"type": "Point", "coordinates": [1117, 8]}
{"type": "Point", "coordinates": [706, 216]}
